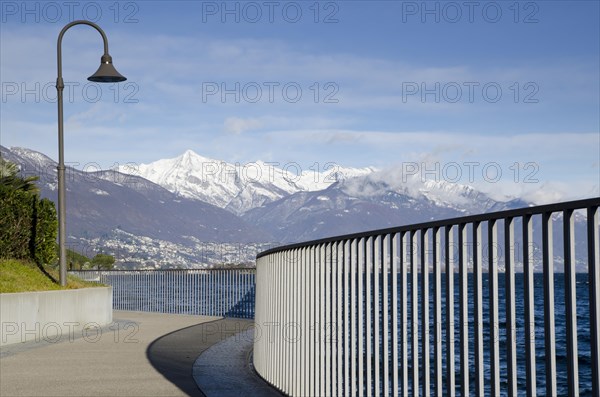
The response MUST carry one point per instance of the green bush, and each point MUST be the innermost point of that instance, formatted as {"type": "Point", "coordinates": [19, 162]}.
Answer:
{"type": "Point", "coordinates": [103, 262]}
{"type": "Point", "coordinates": [15, 223]}
{"type": "Point", "coordinates": [44, 231]}
{"type": "Point", "coordinates": [28, 224]}
{"type": "Point", "coordinates": [76, 261]}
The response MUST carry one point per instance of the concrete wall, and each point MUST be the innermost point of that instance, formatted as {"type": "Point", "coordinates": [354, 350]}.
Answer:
{"type": "Point", "coordinates": [54, 315]}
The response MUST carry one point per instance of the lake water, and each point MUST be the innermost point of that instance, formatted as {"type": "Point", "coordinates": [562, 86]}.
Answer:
{"type": "Point", "coordinates": [583, 333]}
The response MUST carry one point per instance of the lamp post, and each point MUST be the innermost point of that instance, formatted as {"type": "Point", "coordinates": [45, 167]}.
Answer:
{"type": "Point", "coordinates": [106, 73]}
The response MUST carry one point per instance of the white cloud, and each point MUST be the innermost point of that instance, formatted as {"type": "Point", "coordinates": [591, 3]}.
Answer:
{"type": "Point", "coordinates": [238, 125]}
{"type": "Point", "coordinates": [553, 192]}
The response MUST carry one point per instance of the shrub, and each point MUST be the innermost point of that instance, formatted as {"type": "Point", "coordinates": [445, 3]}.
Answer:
{"type": "Point", "coordinates": [28, 224]}
{"type": "Point", "coordinates": [44, 231]}
{"type": "Point", "coordinates": [103, 262]}
{"type": "Point", "coordinates": [15, 223]}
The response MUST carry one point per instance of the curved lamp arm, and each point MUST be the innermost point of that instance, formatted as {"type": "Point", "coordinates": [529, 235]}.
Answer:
{"type": "Point", "coordinates": [69, 26]}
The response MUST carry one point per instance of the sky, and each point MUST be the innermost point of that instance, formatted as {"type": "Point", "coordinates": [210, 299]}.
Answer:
{"type": "Point", "coordinates": [501, 95]}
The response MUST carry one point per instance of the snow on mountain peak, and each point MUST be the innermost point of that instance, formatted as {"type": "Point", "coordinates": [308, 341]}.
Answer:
{"type": "Point", "coordinates": [440, 192]}
{"type": "Point", "coordinates": [236, 187]}
{"type": "Point", "coordinates": [241, 187]}
{"type": "Point", "coordinates": [32, 155]}
{"type": "Point", "coordinates": [191, 158]}
{"type": "Point", "coordinates": [190, 153]}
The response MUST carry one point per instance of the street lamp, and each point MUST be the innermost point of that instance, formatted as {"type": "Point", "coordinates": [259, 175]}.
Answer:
{"type": "Point", "coordinates": [106, 73]}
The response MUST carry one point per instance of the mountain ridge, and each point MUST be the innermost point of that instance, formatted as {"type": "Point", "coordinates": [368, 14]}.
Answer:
{"type": "Point", "coordinates": [148, 223]}
{"type": "Point", "coordinates": [235, 187]}
{"type": "Point", "coordinates": [101, 201]}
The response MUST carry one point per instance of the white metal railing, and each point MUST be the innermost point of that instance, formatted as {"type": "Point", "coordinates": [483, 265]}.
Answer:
{"type": "Point", "coordinates": [375, 313]}
{"type": "Point", "coordinates": [228, 292]}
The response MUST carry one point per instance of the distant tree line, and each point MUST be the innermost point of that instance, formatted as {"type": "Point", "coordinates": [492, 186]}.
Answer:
{"type": "Point", "coordinates": [77, 261]}
{"type": "Point", "coordinates": [234, 265]}
{"type": "Point", "coordinates": [28, 224]}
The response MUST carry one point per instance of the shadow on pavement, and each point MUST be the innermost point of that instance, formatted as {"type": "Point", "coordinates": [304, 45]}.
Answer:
{"type": "Point", "coordinates": [174, 354]}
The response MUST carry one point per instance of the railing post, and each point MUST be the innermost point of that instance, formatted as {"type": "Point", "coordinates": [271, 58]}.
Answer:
{"type": "Point", "coordinates": [385, 267]}
{"type": "Point", "coordinates": [361, 317]}
{"type": "Point", "coordinates": [414, 273]}
{"type": "Point", "coordinates": [464, 309]}
{"type": "Point", "coordinates": [437, 309]}
{"type": "Point", "coordinates": [571, 302]}
{"type": "Point", "coordinates": [355, 354]}
{"type": "Point", "coordinates": [425, 313]}
{"type": "Point", "coordinates": [529, 285]}
{"type": "Point", "coordinates": [368, 315]}
{"type": "Point", "coordinates": [450, 381]}
{"type": "Point", "coordinates": [394, 258]}
{"type": "Point", "coordinates": [478, 308]}
{"type": "Point", "coordinates": [340, 319]}
{"type": "Point", "coordinates": [314, 333]}
{"type": "Point", "coordinates": [404, 310]}
{"type": "Point", "coordinates": [509, 286]}
{"type": "Point", "coordinates": [346, 305]}
{"type": "Point", "coordinates": [594, 287]}
{"type": "Point", "coordinates": [376, 308]}
{"type": "Point", "coordinates": [323, 268]}
{"type": "Point", "coordinates": [549, 331]}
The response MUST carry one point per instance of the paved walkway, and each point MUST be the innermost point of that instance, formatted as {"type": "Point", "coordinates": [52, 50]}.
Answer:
{"type": "Point", "coordinates": [225, 369]}
{"type": "Point", "coordinates": [140, 354]}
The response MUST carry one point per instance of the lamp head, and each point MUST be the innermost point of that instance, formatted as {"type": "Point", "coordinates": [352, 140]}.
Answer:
{"type": "Point", "coordinates": [106, 73]}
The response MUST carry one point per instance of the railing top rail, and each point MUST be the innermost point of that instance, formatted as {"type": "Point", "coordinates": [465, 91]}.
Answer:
{"type": "Point", "coordinates": [535, 210]}
{"type": "Point", "coordinates": [163, 270]}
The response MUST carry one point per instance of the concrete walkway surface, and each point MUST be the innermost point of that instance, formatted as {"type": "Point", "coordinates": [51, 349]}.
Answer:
{"type": "Point", "coordinates": [139, 354]}
{"type": "Point", "coordinates": [225, 369]}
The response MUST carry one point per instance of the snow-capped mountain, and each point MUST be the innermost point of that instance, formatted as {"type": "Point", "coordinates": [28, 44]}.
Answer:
{"type": "Point", "coordinates": [463, 199]}
{"type": "Point", "coordinates": [105, 204]}
{"type": "Point", "coordinates": [367, 203]}
{"type": "Point", "coordinates": [235, 187]}
{"type": "Point", "coordinates": [313, 205]}
{"type": "Point", "coordinates": [202, 211]}
{"type": "Point", "coordinates": [240, 188]}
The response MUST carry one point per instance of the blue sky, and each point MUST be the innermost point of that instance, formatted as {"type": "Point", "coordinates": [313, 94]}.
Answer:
{"type": "Point", "coordinates": [470, 87]}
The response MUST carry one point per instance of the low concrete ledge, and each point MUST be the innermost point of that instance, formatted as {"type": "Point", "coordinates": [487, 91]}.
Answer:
{"type": "Point", "coordinates": [53, 316]}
